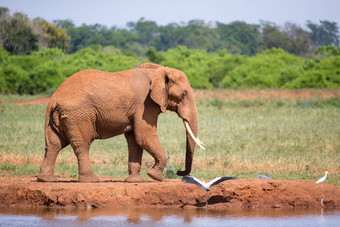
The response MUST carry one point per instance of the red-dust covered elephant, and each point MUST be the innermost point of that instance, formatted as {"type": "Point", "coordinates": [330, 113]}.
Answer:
{"type": "Point", "coordinates": [93, 104]}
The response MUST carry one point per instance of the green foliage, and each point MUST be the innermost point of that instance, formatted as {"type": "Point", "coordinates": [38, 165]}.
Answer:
{"type": "Point", "coordinates": [292, 39]}
{"type": "Point", "coordinates": [242, 38]}
{"type": "Point", "coordinates": [218, 65]}
{"type": "Point", "coordinates": [271, 69]}
{"type": "Point", "coordinates": [319, 73]}
{"type": "Point", "coordinates": [46, 69]}
{"type": "Point", "coordinates": [21, 35]}
{"type": "Point", "coordinates": [328, 51]}
{"type": "Point", "coordinates": [55, 37]}
{"type": "Point", "coordinates": [327, 33]}
{"type": "Point", "coordinates": [191, 62]}
{"type": "Point", "coordinates": [16, 34]}
{"type": "Point", "coordinates": [276, 68]}
{"type": "Point", "coordinates": [154, 56]}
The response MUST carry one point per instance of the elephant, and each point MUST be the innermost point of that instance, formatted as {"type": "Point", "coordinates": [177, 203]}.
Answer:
{"type": "Point", "coordinates": [93, 104]}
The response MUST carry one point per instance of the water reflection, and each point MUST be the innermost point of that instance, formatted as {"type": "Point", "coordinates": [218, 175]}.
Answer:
{"type": "Point", "coordinates": [166, 216]}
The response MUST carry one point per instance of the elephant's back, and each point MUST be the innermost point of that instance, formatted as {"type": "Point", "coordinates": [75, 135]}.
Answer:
{"type": "Point", "coordinates": [80, 85]}
{"type": "Point", "coordinates": [80, 81]}
{"type": "Point", "coordinates": [99, 89]}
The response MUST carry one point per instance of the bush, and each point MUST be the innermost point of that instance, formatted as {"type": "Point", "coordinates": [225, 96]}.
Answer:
{"type": "Point", "coordinates": [46, 69]}
{"type": "Point", "coordinates": [319, 73]}
{"type": "Point", "coordinates": [13, 79]}
{"type": "Point", "coordinates": [272, 68]}
{"type": "Point", "coordinates": [191, 62]}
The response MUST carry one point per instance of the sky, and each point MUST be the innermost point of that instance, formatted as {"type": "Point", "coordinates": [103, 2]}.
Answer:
{"type": "Point", "coordinates": [118, 13]}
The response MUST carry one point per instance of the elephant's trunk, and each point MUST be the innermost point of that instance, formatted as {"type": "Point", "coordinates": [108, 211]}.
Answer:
{"type": "Point", "coordinates": [190, 124]}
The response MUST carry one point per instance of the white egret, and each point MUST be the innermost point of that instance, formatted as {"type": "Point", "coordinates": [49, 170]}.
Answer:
{"type": "Point", "coordinates": [322, 179]}
{"type": "Point", "coordinates": [202, 184]}
{"type": "Point", "coordinates": [263, 176]}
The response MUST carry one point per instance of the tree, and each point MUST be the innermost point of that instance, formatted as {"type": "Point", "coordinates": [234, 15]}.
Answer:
{"type": "Point", "coordinates": [300, 43]}
{"type": "Point", "coordinates": [66, 24]}
{"type": "Point", "coordinates": [240, 37]}
{"type": "Point", "coordinates": [16, 34]}
{"type": "Point", "coordinates": [199, 35]}
{"type": "Point", "coordinates": [327, 33]}
{"type": "Point", "coordinates": [290, 38]}
{"type": "Point", "coordinates": [3, 11]}
{"type": "Point", "coordinates": [154, 56]}
{"type": "Point", "coordinates": [146, 30]}
{"type": "Point", "coordinates": [170, 36]}
{"type": "Point", "coordinates": [54, 37]}
{"type": "Point", "coordinates": [274, 38]}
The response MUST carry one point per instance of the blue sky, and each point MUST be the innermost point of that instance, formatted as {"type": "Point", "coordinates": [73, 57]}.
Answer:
{"type": "Point", "coordinates": [118, 13]}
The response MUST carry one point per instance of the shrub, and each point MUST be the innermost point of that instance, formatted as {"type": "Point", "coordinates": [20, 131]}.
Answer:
{"type": "Point", "coordinates": [270, 69]}
{"type": "Point", "coordinates": [46, 69]}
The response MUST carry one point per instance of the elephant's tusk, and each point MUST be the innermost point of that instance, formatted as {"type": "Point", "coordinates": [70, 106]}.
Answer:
{"type": "Point", "coordinates": [200, 141]}
{"type": "Point", "coordinates": [197, 141]}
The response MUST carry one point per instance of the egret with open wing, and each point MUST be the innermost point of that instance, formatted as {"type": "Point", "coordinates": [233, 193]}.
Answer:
{"type": "Point", "coordinates": [202, 184]}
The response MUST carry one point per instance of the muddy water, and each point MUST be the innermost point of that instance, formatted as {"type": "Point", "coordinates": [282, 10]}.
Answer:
{"type": "Point", "coordinates": [10, 216]}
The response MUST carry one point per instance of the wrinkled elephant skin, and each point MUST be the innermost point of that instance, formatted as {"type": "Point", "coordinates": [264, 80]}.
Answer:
{"type": "Point", "coordinates": [93, 104]}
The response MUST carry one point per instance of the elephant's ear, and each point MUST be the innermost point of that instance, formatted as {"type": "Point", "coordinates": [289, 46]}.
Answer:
{"type": "Point", "coordinates": [159, 88]}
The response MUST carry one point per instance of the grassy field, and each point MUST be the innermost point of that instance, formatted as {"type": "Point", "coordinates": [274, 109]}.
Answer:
{"type": "Point", "coordinates": [287, 139]}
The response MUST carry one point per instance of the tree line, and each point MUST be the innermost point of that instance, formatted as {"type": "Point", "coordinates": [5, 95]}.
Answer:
{"type": "Point", "coordinates": [44, 70]}
{"type": "Point", "coordinates": [37, 56]}
{"type": "Point", "coordinates": [21, 35]}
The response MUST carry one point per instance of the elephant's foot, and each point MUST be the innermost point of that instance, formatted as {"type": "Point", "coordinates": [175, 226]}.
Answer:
{"type": "Point", "coordinates": [88, 178]}
{"type": "Point", "coordinates": [46, 178]}
{"type": "Point", "coordinates": [134, 178]}
{"type": "Point", "coordinates": [155, 174]}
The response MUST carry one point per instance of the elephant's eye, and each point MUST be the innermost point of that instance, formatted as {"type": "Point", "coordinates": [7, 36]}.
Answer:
{"type": "Point", "coordinates": [184, 94]}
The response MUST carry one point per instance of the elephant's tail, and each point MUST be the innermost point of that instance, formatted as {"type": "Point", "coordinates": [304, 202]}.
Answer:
{"type": "Point", "coordinates": [52, 117]}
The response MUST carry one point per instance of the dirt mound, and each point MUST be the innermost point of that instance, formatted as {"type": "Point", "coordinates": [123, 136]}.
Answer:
{"type": "Point", "coordinates": [113, 192]}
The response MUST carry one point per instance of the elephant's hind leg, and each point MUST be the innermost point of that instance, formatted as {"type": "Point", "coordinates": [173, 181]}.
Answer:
{"type": "Point", "coordinates": [53, 144]}
{"type": "Point", "coordinates": [79, 132]}
{"type": "Point", "coordinates": [135, 159]}
{"type": "Point", "coordinates": [85, 170]}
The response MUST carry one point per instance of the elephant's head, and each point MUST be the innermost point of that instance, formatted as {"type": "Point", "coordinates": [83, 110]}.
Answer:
{"type": "Point", "coordinates": [171, 90]}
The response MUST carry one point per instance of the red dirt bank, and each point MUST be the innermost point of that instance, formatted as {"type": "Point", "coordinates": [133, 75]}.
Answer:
{"type": "Point", "coordinates": [113, 192]}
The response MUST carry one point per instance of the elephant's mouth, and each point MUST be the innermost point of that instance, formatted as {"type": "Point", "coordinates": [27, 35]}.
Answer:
{"type": "Point", "coordinates": [197, 141]}
{"type": "Point", "coordinates": [172, 106]}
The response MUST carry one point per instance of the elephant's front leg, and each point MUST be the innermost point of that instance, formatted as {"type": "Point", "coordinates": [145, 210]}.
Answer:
{"type": "Point", "coordinates": [135, 159]}
{"type": "Point", "coordinates": [148, 140]}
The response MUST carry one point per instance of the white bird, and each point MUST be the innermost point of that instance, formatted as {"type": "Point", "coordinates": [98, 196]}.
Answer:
{"type": "Point", "coordinates": [322, 179]}
{"type": "Point", "coordinates": [202, 184]}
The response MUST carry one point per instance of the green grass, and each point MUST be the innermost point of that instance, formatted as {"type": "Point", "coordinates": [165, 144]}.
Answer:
{"type": "Point", "coordinates": [286, 139]}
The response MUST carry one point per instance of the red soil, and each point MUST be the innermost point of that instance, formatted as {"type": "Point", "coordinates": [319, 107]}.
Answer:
{"type": "Point", "coordinates": [113, 192]}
